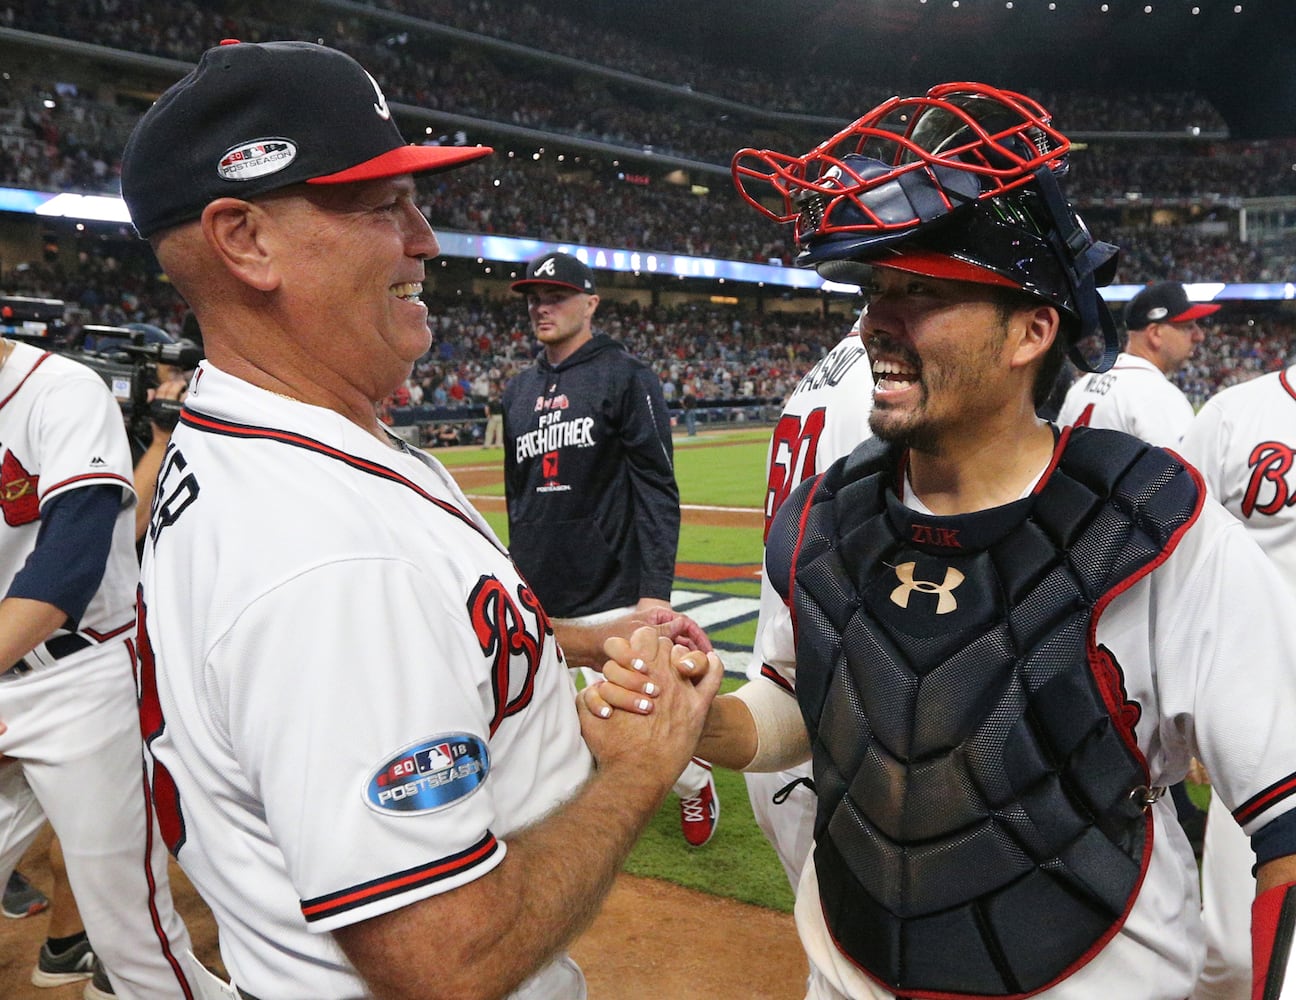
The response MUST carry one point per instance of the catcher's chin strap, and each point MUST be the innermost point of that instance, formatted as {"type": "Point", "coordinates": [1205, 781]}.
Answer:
{"type": "Point", "coordinates": [1273, 925]}
{"type": "Point", "coordinates": [1082, 256]}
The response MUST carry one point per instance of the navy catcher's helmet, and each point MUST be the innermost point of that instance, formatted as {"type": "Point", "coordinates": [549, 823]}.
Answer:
{"type": "Point", "coordinates": [961, 183]}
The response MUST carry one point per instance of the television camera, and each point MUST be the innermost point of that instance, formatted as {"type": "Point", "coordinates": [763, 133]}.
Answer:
{"type": "Point", "coordinates": [127, 358]}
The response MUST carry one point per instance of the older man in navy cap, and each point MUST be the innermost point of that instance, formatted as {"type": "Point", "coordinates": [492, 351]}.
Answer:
{"type": "Point", "coordinates": [364, 750]}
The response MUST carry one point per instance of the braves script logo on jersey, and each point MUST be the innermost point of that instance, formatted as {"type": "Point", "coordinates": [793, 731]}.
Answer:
{"type": "Point", "coordinates": [1268, 490]}
{"type": "Point", "coordinates": [546, 403]}
{"type": "Point", "coordinates": [18, 492]}
{"type": "Point", "coordinates": [429, 775]}
{"type": "Point", "coordinates": [511, 635]}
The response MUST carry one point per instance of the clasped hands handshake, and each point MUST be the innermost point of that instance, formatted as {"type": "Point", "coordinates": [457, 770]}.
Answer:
{"type": "Point", "coordinates": [652, 705]}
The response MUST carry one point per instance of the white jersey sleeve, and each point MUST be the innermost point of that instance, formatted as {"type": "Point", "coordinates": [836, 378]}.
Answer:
{"type": "Point", "coordinates": [322, 700]}
{"type": "Point", "coordinates": [1132, 396]}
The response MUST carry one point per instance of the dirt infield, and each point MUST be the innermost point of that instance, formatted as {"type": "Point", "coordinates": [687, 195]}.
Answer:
{"type": "Point", "coordinates": [652, 941]}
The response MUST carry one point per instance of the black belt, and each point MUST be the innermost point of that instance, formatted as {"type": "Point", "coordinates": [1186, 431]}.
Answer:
{"type": "Point", "coordinates": [245, 994]}
{"type": "Point", "coordinates": [57, 646]}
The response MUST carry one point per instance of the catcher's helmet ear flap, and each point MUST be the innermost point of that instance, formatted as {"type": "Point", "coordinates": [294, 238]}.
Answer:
{"type": "Point", "coordinates": [968, 171]}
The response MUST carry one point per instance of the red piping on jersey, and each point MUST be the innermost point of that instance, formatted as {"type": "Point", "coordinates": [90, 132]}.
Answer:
{"type": "Point", "coordinates": [796, 549]}
{"type": "Point", "coordinates": [89, 475]}
{"type": "Point", "coordinates": [1257, 804]}
{"type": "Point", "coordinates": [98, 636]}
{"type": "Point", "coordinates": [154, 917]}
{"type": "Point", "coordinates": [1286, 383]}
{"type": "Point", "coordinates": [21, 382]}
{"type": "Point", "coordinates": [203, 423]}
{"type": "Point", "coordinates": [1058, 448]}
{"type": "Point", "coordinates": [770, 674]}
{"type": "Point", "coordinates": [348, 899]}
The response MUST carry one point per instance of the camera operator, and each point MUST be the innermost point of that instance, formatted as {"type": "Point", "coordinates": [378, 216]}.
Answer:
{"type": "Point", "coordinates": [166, 384]}
{"type": "Point", "coordinates": [161, 366]}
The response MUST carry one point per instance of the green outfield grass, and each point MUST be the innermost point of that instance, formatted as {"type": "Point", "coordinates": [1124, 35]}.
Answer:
{"type": "Point", "coordinates": [722, 546]}
{"type": "Point", "coordinates": [724, 470]}
{"type": "Point", "coordinates": [738, 862]}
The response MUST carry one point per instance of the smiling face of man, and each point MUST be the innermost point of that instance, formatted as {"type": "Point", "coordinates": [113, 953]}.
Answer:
{"type": "Point", "coordinates": [938, 349]}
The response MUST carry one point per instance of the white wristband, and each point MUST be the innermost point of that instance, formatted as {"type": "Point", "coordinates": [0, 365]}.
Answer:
{"type": "Point", "coordinates": [781, 738]}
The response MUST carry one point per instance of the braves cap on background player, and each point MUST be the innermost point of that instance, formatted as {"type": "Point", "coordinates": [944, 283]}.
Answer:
{"type": "Point", "coordinates": [1165, 302]}
{"type": "Point", "coordinates": [559, 269]}
{"type": "Point", "coordinates": [220, 132]}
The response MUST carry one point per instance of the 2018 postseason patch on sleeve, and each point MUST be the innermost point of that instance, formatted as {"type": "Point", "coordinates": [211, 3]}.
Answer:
{"type": "Point", "coordinates": [429, 775]}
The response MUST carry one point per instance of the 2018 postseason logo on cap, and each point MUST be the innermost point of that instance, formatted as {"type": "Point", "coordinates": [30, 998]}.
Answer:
{"type": "Point", "coordinates": [257, 158]}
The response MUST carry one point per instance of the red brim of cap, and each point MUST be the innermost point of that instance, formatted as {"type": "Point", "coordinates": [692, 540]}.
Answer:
{"type": "Point", "coordinates": [526, 284]}
{"type": "Point", "coordinates": [939, 265]}
{"type": "Point", "coordinates": [406, 160]}
{"type": "Point", "coordinates": [1195, 311]}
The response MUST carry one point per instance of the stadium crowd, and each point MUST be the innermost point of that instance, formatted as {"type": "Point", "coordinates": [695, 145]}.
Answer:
{"type": "Point", "coordinates": [426, 70]}
{"type": "Point", "coordinates": [723, 355]}
{"type": "Point", "coordinates": [182, 30]}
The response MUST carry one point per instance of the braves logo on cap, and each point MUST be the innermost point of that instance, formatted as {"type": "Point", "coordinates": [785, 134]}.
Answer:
{"type": "Point", "coordinates": [429, 775]}
{"type": "Point", "coordinates": [548, 269]}
{"type": "Point", "coordinates": [256, 158]}
{"type": "Point", "coordinates": [381, 107]}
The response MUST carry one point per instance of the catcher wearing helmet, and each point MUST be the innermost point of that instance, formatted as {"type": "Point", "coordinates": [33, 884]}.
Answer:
{"type": "Point", "coordinates": [1002, 639]}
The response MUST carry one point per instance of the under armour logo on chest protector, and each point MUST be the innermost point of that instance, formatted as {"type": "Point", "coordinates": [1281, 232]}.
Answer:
{"type": "Point", "coordinates": [945, 602]}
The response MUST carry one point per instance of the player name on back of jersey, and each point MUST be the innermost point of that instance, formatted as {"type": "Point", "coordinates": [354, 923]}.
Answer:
{"type": "Point", "coordinates": [1099, 384]}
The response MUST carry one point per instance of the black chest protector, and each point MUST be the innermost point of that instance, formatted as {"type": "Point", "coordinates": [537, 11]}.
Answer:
{"type": "Point", "coordinates": [982, 825]}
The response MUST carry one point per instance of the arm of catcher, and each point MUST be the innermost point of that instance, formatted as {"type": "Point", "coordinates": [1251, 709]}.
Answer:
{"type": "Point", "coordinates": [1273, 926]}
{"type": "Point", "coordinates": [758, 728]}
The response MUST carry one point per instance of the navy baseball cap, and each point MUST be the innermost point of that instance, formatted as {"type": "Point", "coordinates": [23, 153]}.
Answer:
{"type": "Point", "coordinates": [1165, 302]}
{"type": "Point", "coordinates": [255, 117]}
{"type": "Point", "coordinates": [561, 269]}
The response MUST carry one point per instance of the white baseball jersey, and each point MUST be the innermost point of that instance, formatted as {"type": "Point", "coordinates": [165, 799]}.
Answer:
{"type": "Point", "coordinates": [1133, 396]}
{"type": "Point", "coordinates": [1243, 441]}
{"type": "Point", "coordinates": [63, 431]}
{"type": "Point", "coordinates": [1201, 640]}
{"type": "Point", "coordinates": [1244, 444]}
{"type": "Point", "coordinates": [73, 726]}
{"type": "Point", "coordinates": [352, 697]}
{"type": "Point", "coordinates": [825, 417]}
